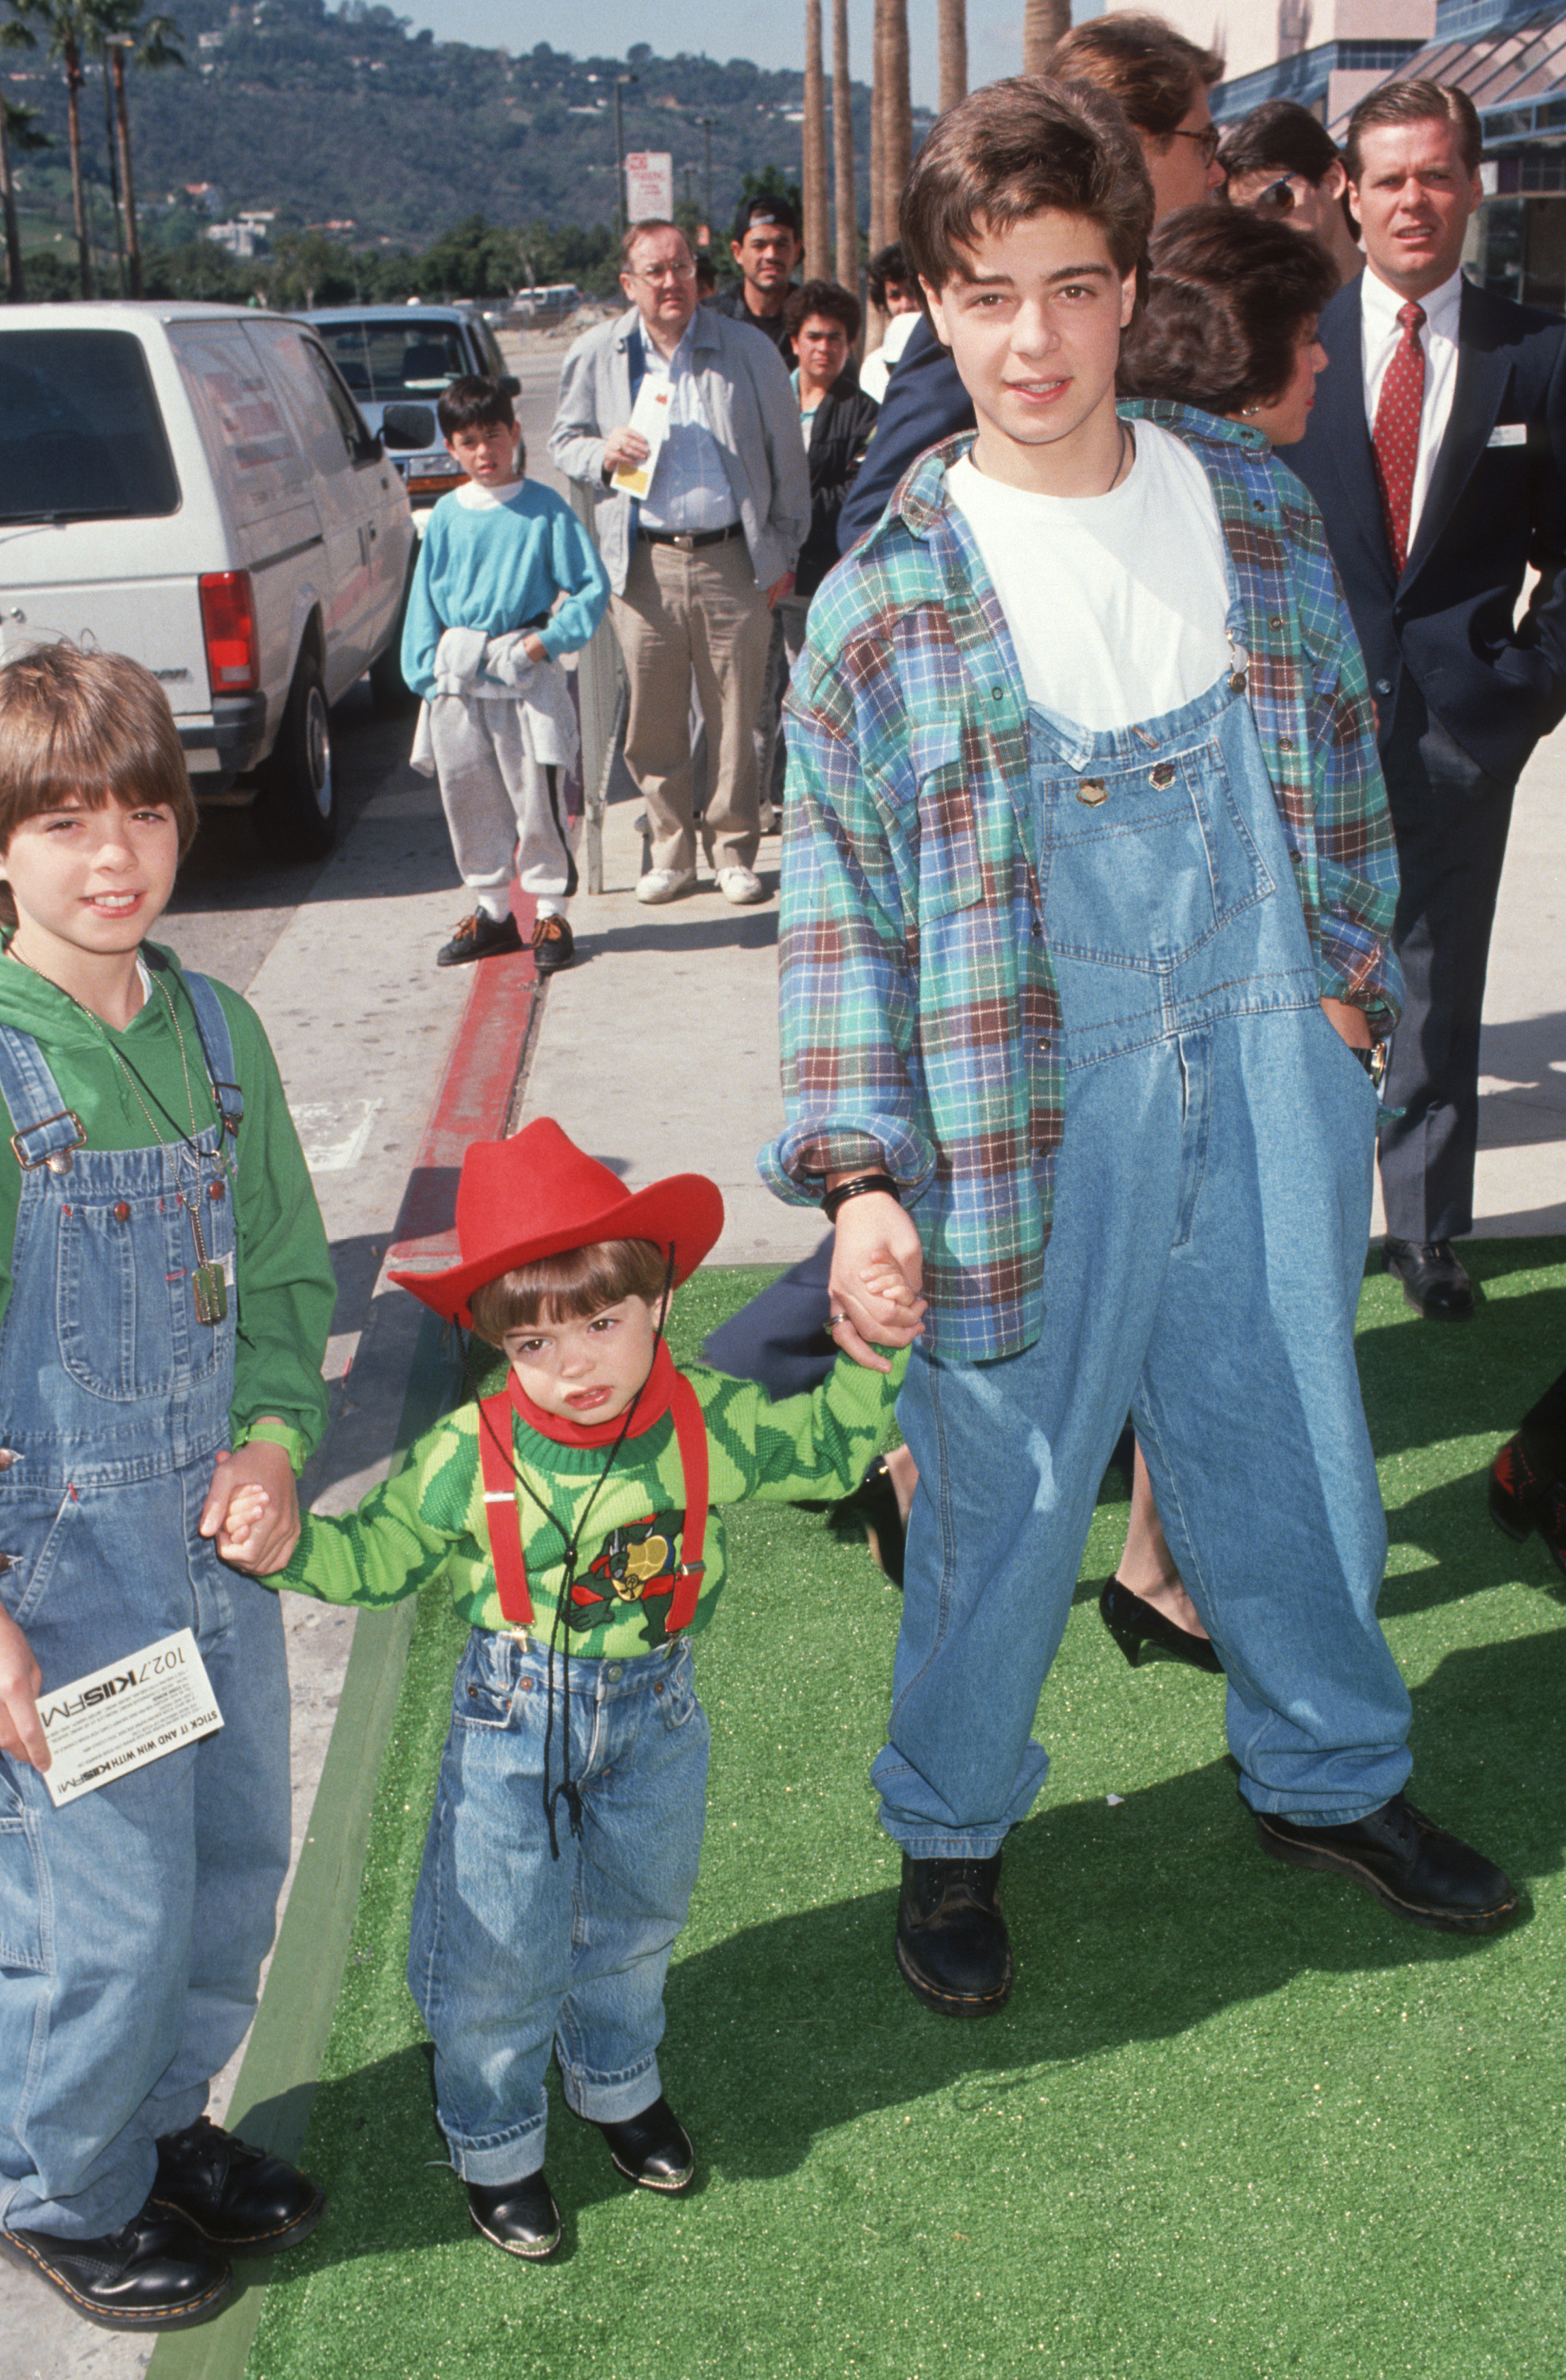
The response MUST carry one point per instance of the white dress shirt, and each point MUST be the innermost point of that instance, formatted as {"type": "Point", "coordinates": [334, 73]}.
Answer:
{"type": "Point", "coordinates": [690, 488]}
{"type": "Point", "coordinates": [1382, 333]}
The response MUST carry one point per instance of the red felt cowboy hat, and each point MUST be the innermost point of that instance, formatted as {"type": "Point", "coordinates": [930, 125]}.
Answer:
{"type": "Point", "coordinates": [536, 1194]}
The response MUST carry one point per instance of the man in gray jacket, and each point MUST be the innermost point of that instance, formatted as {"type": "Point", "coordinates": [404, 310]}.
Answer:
{"type": "Point", "coordinates": [698, 557]}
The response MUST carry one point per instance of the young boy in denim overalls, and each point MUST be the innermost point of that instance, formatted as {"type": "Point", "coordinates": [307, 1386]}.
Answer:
{"type": "Point", "coordinates": [568, 1512]}
{"type": "Point", "coordinates": [164, 1298]}
{"type": "Point", "coordinates": [1087, 890]}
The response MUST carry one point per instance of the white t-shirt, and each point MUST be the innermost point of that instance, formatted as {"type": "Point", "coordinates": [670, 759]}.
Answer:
{"type": "Point", "coordinates": [1117, 605]}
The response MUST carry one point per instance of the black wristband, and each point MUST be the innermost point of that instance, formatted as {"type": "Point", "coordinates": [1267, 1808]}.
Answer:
{"type": "Point", "coordinates": [854, 1187]}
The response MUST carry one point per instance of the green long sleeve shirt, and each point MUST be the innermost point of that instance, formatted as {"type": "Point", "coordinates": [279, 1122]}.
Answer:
{"type": "Point", "coordinates": [283, 1272]}
{"type": "Point", "coordinates": [430, 1519]}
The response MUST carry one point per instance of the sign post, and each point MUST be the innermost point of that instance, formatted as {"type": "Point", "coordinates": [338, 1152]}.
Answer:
{"type": "Point", "coordinates": [649, 185]}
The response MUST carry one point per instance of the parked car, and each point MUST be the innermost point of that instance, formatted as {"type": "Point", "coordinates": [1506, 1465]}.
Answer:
{"type": "Point", "coordinates": [394, 355]}
{"type": "Point", "coordinates": [193, 485]}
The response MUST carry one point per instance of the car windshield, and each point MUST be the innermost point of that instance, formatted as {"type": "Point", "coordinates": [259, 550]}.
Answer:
{"type": "Point", "coordinates": [81, 437]}
{"type": "Point", "coordinates": [384, 361]}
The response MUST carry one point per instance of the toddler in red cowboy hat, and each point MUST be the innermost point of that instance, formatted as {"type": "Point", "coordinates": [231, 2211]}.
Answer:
{"type": "Point", "coordinates": [569, 1513]}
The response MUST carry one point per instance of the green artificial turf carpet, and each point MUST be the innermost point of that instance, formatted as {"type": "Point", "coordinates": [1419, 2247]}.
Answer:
{"type": "Point", "coordinates": [1238, 2121]}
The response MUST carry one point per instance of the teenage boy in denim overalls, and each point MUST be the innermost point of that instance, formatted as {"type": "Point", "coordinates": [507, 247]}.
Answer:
{"type": "Point", "coordinates": [164, 1299]}
{"type": "Point", "coordinates": [1087, 887]}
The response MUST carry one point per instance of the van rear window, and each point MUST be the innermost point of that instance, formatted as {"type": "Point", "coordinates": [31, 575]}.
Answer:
{"type": "Point", "coordinates": [398, 357]}
{"type": "Point", "coordinates": [81, 437]}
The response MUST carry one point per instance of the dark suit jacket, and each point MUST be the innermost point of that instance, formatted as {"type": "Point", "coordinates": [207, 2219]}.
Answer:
{"type": "Point", "coordinates": [925, 402]}
{"type": "Point", "coordinates": [1491, 509]}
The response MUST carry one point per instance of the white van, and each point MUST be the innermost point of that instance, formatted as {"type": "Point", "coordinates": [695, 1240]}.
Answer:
{"type": "Point", "coordinates": [193, 485]}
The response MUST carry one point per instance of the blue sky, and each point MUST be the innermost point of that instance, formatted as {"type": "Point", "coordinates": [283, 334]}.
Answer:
{"type": "Point", "coordinates": [774, 36]}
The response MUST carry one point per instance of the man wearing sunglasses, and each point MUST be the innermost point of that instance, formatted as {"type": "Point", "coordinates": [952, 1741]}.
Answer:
{"type": "Point", "coordinates": [1161, 80]}
{"type": "Point", "coordinates": [1279, 160]}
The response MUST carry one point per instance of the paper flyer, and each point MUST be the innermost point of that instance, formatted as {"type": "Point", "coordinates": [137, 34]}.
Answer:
{"type": "Point", "coordinates": [121, 1717]}
{"type": "Point", "coordinates": [649, 418]}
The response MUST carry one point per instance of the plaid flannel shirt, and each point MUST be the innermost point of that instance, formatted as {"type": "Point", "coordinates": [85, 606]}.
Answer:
{"type": "Point", "coordinates": [920, 1018]}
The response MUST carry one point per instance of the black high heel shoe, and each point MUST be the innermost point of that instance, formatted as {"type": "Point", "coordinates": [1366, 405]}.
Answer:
{"type": "Point", "coordinates": [1522, 1499]}
{"type": "Point", "coordinates": [1134, 1623]}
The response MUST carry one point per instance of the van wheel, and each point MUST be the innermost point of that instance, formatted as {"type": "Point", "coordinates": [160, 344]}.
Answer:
{"type": "Point", "coordinates": [295, 810]}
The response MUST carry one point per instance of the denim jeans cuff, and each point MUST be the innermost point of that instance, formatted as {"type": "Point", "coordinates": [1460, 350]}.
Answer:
{"type": "Point", "coordinates": [981, 1845]}
{"type": "Point", "coordinates": [611, 2098]}
{"type": "Point", "coordinates": [500, 2157]}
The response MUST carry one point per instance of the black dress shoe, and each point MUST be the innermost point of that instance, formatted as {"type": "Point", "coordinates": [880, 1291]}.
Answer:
{"type": "Point", "coordinates": [1134, 1623]}
{"type": "Point", "coordinates": [1523, 1500]}
{"type": "Point", "coordinates": [480, 936]}
{"type": "Point", "coordinates": [154, 2273]}
{"type": "Point", "coordinates": [520, 2216]}
{"type": "Point", "coordinates": [952, 1942]}
{"type": "Point", "coordinates": [1416, 1867]}
{"type": "Point", "coordinates": [871, 1512]}
{"type": "Point", "coordinates": [1434, 1282]}
{"type": "Point", "coordinates": [245, 2201]}
{"type": "Point", "coordinates": [652, 2148]}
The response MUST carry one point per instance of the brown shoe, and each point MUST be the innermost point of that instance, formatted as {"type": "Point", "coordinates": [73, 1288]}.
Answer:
{"type": "Point", "coordinates": [554, 945]}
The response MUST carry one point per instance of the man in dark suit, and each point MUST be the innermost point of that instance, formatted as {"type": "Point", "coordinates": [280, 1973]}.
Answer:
{"type": "Point", "coordinates": [1436, 453]}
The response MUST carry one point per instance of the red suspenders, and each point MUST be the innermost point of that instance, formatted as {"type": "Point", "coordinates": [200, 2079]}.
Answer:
{"type": "Point", "coordinates": [505, 1527]}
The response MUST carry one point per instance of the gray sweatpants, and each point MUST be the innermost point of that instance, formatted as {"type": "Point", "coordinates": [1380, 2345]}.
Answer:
{"type": "Point", "coordinates": [505, 810]}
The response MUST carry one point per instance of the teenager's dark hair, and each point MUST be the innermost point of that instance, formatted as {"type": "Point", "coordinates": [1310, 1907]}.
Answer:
{"type": "Point", "coordinates": [1415, 103]}
{"type": "Point", "coordinates": [471, 403]}
{"type": "Point", "coordinates": [764, 208]}
{"type": "Point", "coordinates": [1229, 294]}
{"type": "Point", "coordinates": [568, 1287]}
{"type": "Point", "coordinates": [888, 264]}
{"type": "Point", "coordinates": [822, 297]}
{"type": "Point", "coordinates": [1280, 137]}
{"type": "Point", "coordinates": [94, 727]}
{"type": "Point", "coordinates": [1016, 150]}
{"type": "Point", "coordinates": [1152, 70]}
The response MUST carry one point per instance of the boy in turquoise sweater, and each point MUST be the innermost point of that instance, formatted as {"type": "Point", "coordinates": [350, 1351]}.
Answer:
{"type": "Point", "coordinates": [569, 1512]}
{"type": "Point", "coordinates": [481, 644]}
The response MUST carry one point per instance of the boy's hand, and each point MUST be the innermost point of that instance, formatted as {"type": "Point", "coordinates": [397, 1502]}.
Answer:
{"type": "Point", "coordinates": [21, 1679]}
{"type": "Point", "coordinates": [270, 1539]}
{"type": "Point", "coordinates": [877, 1269]}
{"type": "Point", "coordinates": [242, 1526]}
{"type": "Point", "coordinates": [535, 648]}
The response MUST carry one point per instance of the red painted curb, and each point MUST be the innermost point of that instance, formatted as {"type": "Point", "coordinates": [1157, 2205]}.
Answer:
{"type": "Point", "coordinates": [472, 1101]}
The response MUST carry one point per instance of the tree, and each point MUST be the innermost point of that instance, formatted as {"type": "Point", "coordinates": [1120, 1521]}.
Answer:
{"type": "Point", "coordinates": [817, 244]}
{"type": "Point", "coordinates": [953, 42]}
{"type": "Point", "coordinates": [71, 27]}
{"type": "Point", "coordinates": [842, 151]}
{"type": "Point", "coordinates": [897, 113]}
{"type": "Point", "coordinates": [153, 40]}
{"type": "Point", "coordinates": [15, 132]}
{"type": "Point", "coordinates": [1044, 23]}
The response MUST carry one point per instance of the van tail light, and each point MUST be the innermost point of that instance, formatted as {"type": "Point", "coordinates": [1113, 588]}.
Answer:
{"type": "Point", "coordinates": [228, 621]}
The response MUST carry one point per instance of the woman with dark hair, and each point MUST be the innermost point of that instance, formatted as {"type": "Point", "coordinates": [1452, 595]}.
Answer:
{"type": "Point", "coordinates": [1230, 319]}
{"type": "Point", "coordinates": [1282, 162]}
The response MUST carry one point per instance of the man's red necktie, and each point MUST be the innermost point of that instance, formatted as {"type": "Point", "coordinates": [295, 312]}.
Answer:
{"type": "Point", "coordinates": [1396, 438]}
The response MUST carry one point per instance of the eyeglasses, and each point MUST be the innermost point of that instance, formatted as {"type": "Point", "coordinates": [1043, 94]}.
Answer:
{"type": "Point", "coordinates": [656, 274]}
{"type": "Point", "coordinates": [1207, 139]}
{"type": "Point", "coordinates": [1277, 199]}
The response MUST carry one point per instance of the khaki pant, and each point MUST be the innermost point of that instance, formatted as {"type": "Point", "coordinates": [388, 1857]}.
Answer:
{"type": "Point", "coordinates": [693, 616]}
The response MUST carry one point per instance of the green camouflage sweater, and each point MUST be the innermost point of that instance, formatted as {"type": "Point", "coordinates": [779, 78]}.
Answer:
{"type": "Point", "coordinates": [430, 1519]}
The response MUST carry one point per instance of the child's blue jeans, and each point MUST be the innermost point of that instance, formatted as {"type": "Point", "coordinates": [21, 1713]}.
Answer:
{"type": "Point", "coordinates": [514, 1951]}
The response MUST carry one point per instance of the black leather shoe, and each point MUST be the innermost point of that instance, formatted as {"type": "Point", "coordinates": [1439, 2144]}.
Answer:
{"type": "Point", "coordinates": [1134, 1623]}
{"type": "Point", "coordinates": [154, 2273]}
{"type": "Point", "coordinates": [1434, 1282]}
{"type": "Point", "coordinates": [1523, 1500]}
{"type": "Point", "coordinates": [1416, 1867]}
{"type": "Point", "coordinates": [241, 2198]}
{"type": "Point", "coordinates": [520, 2216]}
{"type": "Point", "coordinates": [871, 1512]}
{"type": "Point", "coordinates": [554, 945]}
{"type": "Point", "coordinates": [480, 936]}
{"type": "Point", "coordinates": [952, 1942]}
{"type": "Point", "coordinates": [652, 2148]}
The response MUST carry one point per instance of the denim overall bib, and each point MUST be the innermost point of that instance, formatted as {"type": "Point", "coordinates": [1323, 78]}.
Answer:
{"type": "Point", "coordinates": [1212, 1202]}
{"type": "Point", "coordinates": [133, 1921]}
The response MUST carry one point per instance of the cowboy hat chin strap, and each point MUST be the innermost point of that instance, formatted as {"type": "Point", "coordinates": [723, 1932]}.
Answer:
{"type": "Point", "coordinates": [505, 1522]}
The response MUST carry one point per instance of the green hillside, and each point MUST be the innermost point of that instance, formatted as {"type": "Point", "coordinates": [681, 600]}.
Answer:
{"type": "Point", "coordinates": [342, 117]}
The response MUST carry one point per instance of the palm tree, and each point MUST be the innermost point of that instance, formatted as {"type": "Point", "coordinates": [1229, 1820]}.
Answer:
{"type": "Point", "coordinates": [153, 40]}
{"type": "Point", "coordinates": [954, 44]}
{"type": "Point", "coordinates": [817, 244]}
{"type": "Point", "coordinates": [17, 131]}
{"type": "Point", "coordinates": [1044, 23]}
{"type": "Point", "coordinates": [897, 123]}
{"type": "Point", "coordinates": [842, 151]}
{"type": "Point", "coordinates": [71, 27]}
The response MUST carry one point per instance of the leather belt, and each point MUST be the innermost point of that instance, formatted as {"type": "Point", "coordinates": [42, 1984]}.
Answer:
{"type": "Point", "coordinates": [688, 540]}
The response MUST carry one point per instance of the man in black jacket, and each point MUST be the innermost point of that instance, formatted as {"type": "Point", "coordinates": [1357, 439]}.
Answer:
{"type": "Point", "coordinates": [765, 247]}
{"type": "Point", "coordinates": [1436, 453]}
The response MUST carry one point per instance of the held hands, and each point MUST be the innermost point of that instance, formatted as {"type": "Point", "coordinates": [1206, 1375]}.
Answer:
{"type": "Point", "coordinates": [877, 1269]}
{"type": "Point", "coordinates": [21, 1679]}
{"type": "Point", "coordinates": [253, 1507]}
